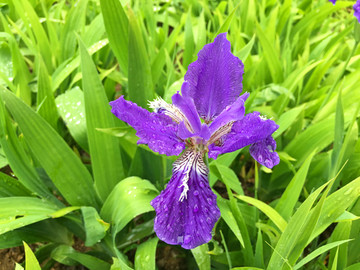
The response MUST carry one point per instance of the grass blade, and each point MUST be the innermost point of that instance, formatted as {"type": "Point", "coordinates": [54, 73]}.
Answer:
{"type": "Point", "coordinates": [104, 149]}
{"type": "Point", "coordinates": [116, 25]}
{"type": "Point", "coordinates": [140, 81]}
{"type": "Point", "coordinates": [65, 169]}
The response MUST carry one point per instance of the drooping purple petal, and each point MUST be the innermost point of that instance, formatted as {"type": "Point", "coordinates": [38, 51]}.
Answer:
{"type": "Point", "coordinates": [214, 78]}
{"type": "Point", "coordinates": [233, 112]}
{"type": "Point", "coordinates": [251, 129]}
{"type": "Point", "coordinates": [158, 131]}
{"type": "Point", "coordinates": [356, 7]}
{"type": "Point", "coordinates": [264, 152]}
{"type": "Point", "coordinates": [186, 210]}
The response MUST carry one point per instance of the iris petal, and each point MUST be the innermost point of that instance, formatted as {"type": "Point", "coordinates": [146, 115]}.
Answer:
{"type": "Point", "coordinates": [249, 130]}
{"type": "Point", "coordinates": [214, 78]}
{"type": "Point", "coordinates": [234, 112]}
{"type": "Point", "coordinates": [186, 210]}
{"type": "Point", "coordinates": [187, 107]}
{"type": "Point", "coordinates": [264, 152]}
{"type": "Point", "coordinates": [158, 131]}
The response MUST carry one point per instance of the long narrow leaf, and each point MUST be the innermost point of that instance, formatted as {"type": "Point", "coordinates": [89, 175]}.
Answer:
{"type": "Point", "coordinates": [104, 149]}
{"type": "Point", "coordinates": [62, 165]}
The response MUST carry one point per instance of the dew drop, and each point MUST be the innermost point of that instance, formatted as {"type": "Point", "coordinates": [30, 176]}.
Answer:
{"type": "Point", "coordinates": [187, 239]}
{"type": "Point", "coordinates": [202, 184]}
{"type": "Point", "coordinates": [196, 208]}
{"type": "Point", "coordinates": [165, 207]}
{"type": "Point", "coordinates": [208, 220]}
{"type": "Point", "coordinates": [196, 193]}
{"type": "Point", "coordinates": [209, 201]}
{"type": "Point", "coordinates": [180, 239]}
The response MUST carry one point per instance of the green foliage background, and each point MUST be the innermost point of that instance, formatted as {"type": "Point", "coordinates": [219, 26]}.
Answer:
{"type": "Point", "coordinates": [72, 174]}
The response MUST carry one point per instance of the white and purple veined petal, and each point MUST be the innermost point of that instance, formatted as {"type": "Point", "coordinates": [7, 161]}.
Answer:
{"type": "Point", "coordinates": [156, 130]}
{"type": "Point", "coordinates": [215, 78]}
{"type": "Point", "coordinates": [186, 211]}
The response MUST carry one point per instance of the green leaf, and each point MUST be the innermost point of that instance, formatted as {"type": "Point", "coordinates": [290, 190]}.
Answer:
{"type": "Point", "coordinates": [229, 178]}
{"type": "Point", "coordinates": [95, 227]}
{"type": "Point", "coordinates": [67, 255]}
{"type": "Point", "coordinates": [286, 119]}
{"type": "Point", "coordinates": [189, 42]}
{"type": "Point", "coordinates": [65, 169]}
{"type": "Point", "coordinates": [292, 192]}
{"type": "Point", "coordinates": [272, 57]}
{"type": "Point", "coordinates": [74, 21]}
{"type": "Point", "coordinates": [267, 210]}
{"type": "Point", "coordinates": [229, 218]}
{"type": "Point", "coordinates": [45, 97]}
{"type": "Point", "coordinates": [245, 51]}
{"type": "Point", "coordinates": [129, 198]}
{"type": "Point", "coordinates": [68, 66]}
{"type": "Point", "coordinates": [335, 205]}
{"type": "Point", "coordinates": [117, 29]}
{"type": "Point", "coordinates": [140, 81]}
{"type": "Point", "coordinates": [225, 26]}
{"type": "Point", "coordinates": [71, 107]}
{"type": "Point", "coordinates": [32, 23]}
{"type": "Point", "coordinates": [31, 262]}
{"type": "Point", "coordinates": [145, 255]}
{"type": "Point", "coordinates": [293, 230]}
{"type": "Point", "coordinates": [11, 187]}
{"type": "Point", "coordinates": [18, 159]}
{"type": "Point", "coordinates": [202, 257]}
{"type": "Point", "coordinates": [104, 149]}
{"type": "Point", "coordinates": [318, 252]}
{"type": "Point", "coordinates": [17, 212]}
{"type": "Point", "coordinates": [338, 135]}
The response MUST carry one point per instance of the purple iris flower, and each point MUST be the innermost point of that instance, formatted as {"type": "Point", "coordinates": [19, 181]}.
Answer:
{"type": "Point", "coordinates": [207, 117]}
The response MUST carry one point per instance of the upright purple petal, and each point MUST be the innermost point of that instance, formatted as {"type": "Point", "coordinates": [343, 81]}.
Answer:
{"type": "Point", "coordinates": [233, 112]}
{"type": "Point", "coordinates": [356, 7]}
{"type": "Point", "coordinates": [187, 107]}
{"type": "Point", "coordinates": [186, 210]}
{"type": "Point", "coordinates": [264, 152]}
{"type": "Point", "coordinates": [251, 129]}
{"type": "Point", "coordinates": [333, 1]}
{"type": "Point", "coordinates": [214, 78]}
{"type": "Point", "coordinates": [158, 131]}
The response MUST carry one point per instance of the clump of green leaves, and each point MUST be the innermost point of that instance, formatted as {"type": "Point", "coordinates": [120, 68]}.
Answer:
{"type": "Point", "coordinates": [74, 181]}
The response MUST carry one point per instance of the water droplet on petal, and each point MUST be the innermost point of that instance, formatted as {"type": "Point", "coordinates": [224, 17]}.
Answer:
{"type": "Point", "coordinates": [202, 184]}
{"type": "Point", "coordinates": [209, 201]}
{"type": "Point", "coordinates": [180, 239]}
{"type": "Point", "coordinates": [196, 208]}
{"type": "Point", "coordinates": [165, 207]}
{"type": "Point", "coordinates": [208, 220]}
{"type": "Point", "coordinates": [187, 239]}
{"type": "Point", "coordinates": [196, 193]}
